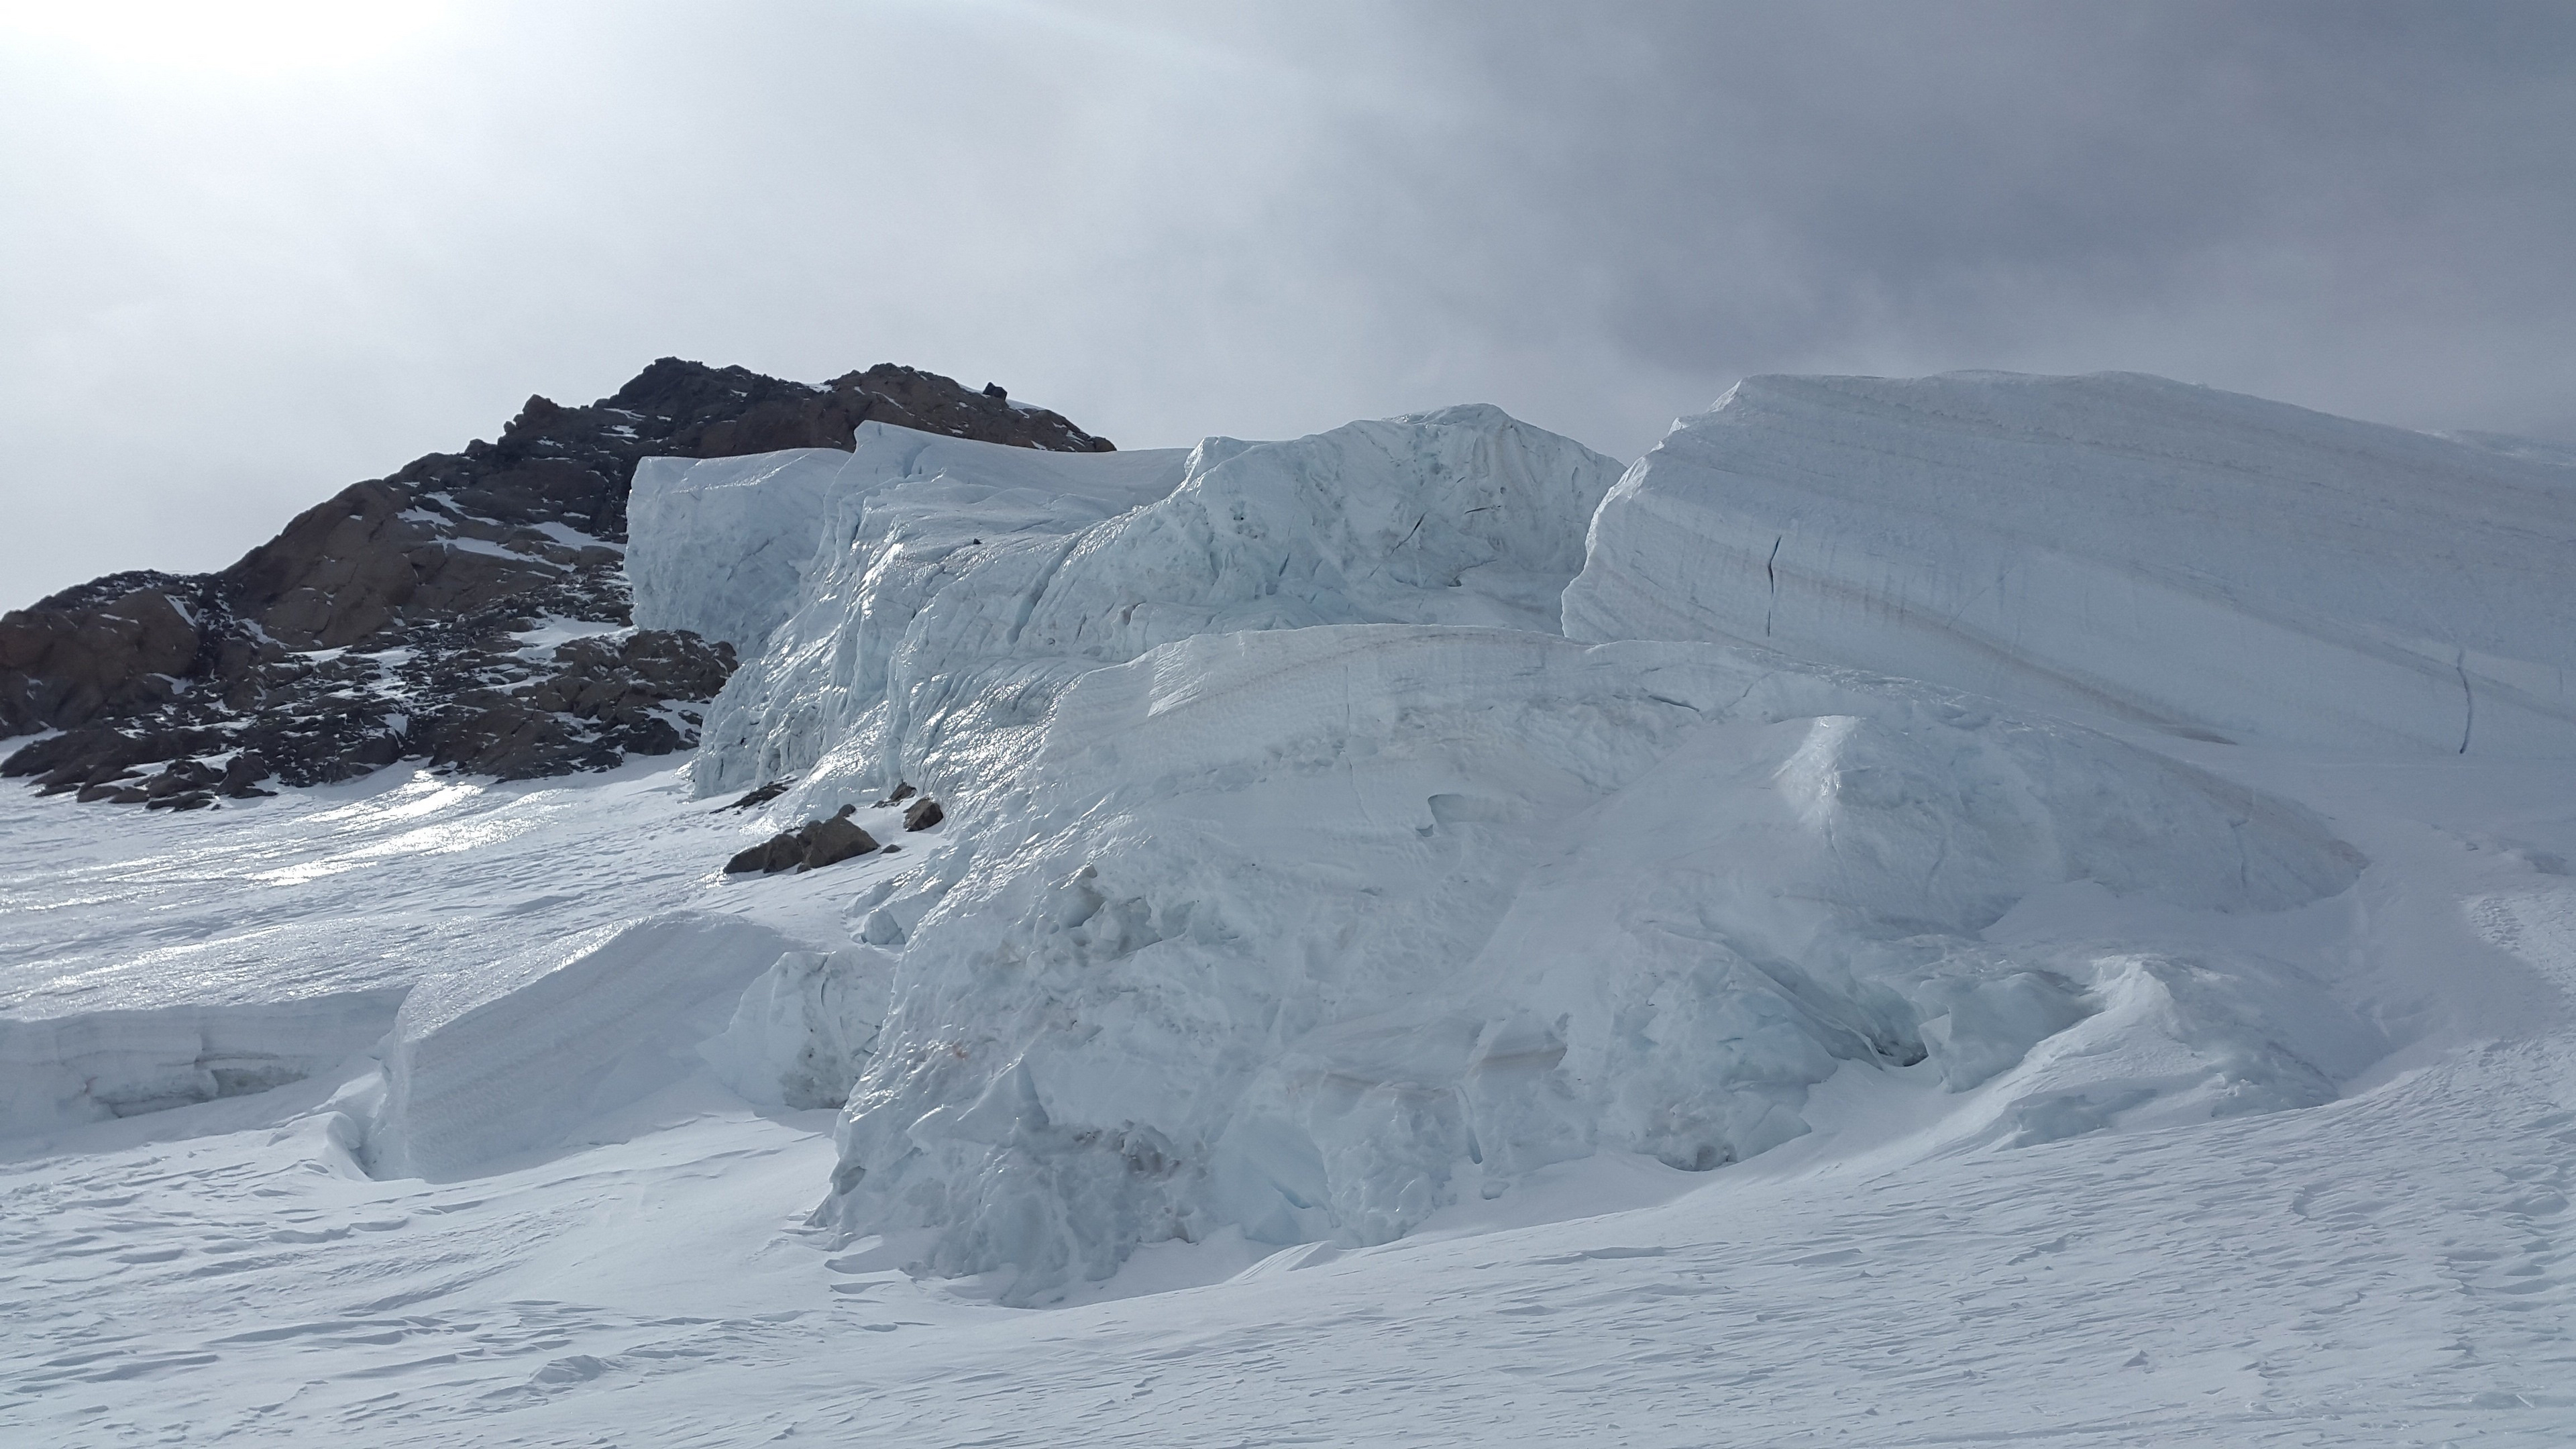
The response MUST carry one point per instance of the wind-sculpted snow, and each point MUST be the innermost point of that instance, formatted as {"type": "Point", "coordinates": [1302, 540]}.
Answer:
{"type": "Point", "coordinates": [952, 577]}
{"type": "Point", "coordinates": [1311, 932]}
{"type": "Point", "coordinates": [2197, 560]}
{"type": "Point", "coordinates": [520, 1055]}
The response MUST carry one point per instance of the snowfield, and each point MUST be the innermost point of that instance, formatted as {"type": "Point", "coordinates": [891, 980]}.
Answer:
{"type": "Point", "coordinates": [1974, 921]}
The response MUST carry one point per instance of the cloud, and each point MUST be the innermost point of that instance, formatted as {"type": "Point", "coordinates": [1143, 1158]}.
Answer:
{"type": "Point", "coordinates": [232, 295]}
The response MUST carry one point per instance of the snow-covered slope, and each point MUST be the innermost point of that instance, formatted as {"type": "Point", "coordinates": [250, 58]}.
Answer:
{"type": "Point", "coordinates": [2385, 1269]}
{"type": "Point", "coordinates": [1365, 1011]}
{"type": "Point", "coordinates": [2197, 560]}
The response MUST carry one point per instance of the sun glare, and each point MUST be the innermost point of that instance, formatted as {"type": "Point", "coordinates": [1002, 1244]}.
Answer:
{"type": "Point", "coordinates": [233, 38]}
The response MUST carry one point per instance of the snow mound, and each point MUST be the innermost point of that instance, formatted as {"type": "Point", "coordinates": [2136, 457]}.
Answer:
{"type": "Point", "coordinates": [950, 580]}
{"type": "Point", "coordinates": [528, 1052]}
{"type": "Point", "coordinates": [1309, 932]}
{"type": "Point", "coordinates": [2201, 561]}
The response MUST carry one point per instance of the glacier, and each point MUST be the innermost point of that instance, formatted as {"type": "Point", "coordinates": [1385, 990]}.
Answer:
{"type": "Point", "coordinates": [2119, 545]}
{"type": "Point", "coordinates": [1305, 876]}
{"type": "Point", "coordinates": [2062, 880]}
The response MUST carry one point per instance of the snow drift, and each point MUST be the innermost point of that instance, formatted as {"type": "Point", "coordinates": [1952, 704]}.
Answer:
{"type": "Point", "coordinates": [526, 1052]}
{"type": "Point", "coordinates": [2197, 560]}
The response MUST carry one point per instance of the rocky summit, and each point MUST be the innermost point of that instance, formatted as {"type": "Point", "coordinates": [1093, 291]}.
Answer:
{"type": "Point", "coordinates": [471, 610]}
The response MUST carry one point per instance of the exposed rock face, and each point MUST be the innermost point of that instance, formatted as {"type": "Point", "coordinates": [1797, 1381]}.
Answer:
{"type": "Point", "coordinates": [471, 610]}
{"type": "Point", "coordinates": [111, 645]}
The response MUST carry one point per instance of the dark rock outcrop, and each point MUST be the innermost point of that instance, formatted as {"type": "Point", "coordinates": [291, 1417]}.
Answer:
{"type": "Point", "coordinates": [811, 846]}
{"type": "Point", "coordinates": [923, 814]}
{"type": "Point", "coordinates": [471, 610]}
{"type": "Point", "coordinates": [761, 795]}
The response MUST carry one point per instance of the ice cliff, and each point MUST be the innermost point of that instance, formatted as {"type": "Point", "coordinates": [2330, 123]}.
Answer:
{"type": "Point", "coordinates": [1302, 875]}
{"type": "Point", "coordinates": [2117, 544]}
{"type": "Point", "coordinates": [945, 584]}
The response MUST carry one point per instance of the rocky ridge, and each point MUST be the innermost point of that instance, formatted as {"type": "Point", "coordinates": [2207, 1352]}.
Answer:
{"type": "Point", "coordinates": [471, 610]}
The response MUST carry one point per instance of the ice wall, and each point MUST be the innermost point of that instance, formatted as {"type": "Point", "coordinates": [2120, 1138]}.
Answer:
{"type": "Point", "coordinates": [721, 545]}
{"type": "Point", "coordinates": [1310, 932]}
{"type": "Point", "coordinates": [2210, 563]}
{"type": "Point", "coordinates": [715, 545]}
{"type": "Point", "coordinates": [1301, 876]}
{"type": "Point", "coordinates": [950, 581]}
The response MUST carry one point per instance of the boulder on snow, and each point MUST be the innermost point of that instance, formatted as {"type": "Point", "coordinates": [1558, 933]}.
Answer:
{"type": "Point", "coordinates": [766, 858]}
{"type": "Point", "coordinates": [923, 814]}
{"type": "Point", "coordinates": [762, 795]}
{"type": "Point", "coordinates": [242, 774]}
{"type": "Point", "coordinates": [811, 846]}
{"type": "Point", "coordinates": [829, 842]}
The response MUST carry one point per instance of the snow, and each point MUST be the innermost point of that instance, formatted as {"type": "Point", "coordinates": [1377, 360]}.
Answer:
{"type": "Point", "coordinates": [555, 630]}
{"type": "Point", "coordinates": [2116, 544]}
{"type": "Point", "coordinates": [1339, 1006]}
{"type": "Point", "coordinates": [571, 537]}
{"type": "Point", "coordinates": [2381, 1269]}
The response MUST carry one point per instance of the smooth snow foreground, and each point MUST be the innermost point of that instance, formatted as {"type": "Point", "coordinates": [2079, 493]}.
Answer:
{"type": "Point", "coordinates": [1361, 1013]}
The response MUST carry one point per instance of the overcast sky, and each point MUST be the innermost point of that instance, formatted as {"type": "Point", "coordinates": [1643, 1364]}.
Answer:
{"type": "Point", "coordinates": [243, 264]}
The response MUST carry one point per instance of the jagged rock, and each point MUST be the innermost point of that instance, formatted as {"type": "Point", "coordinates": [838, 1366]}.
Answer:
{"type": "Point", "coordinates": [385, 623]}
{"type": "Point", "coordinates": [923, 814]}
{"type": "Point", "coordinates": [63, 664]}
{"type": "Point", "coordinates": [609, 698]}
{"type": "Point", "coordinates": [828, 842]}
{"type": "Point", "coordinates": [761, 795]}
{"type": "Point", "coordinates": [902, 792]}
{"type": "Point", "coordinates": [811, 846]}
{"type": "Point", "coordinates": [242, 774]}
{"type": "Point", "coordinates": [777, 853]}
